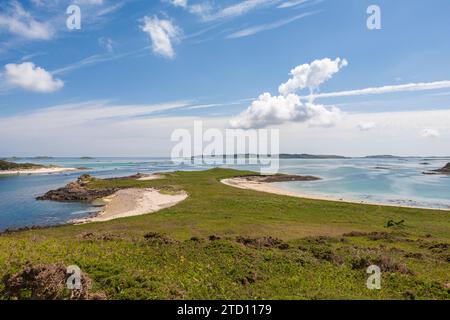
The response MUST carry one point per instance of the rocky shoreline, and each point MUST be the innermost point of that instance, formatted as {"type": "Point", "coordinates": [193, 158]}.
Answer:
{"type": "Point", "coordinates": [444, 170]}
{"type": "Point", "coordinates": [78, 191]}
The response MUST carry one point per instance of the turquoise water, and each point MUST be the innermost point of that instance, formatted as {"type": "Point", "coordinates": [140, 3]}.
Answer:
{"type": "Point", "coordinates": [393, 181]}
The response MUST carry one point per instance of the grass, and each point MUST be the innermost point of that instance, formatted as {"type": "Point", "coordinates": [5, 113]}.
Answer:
{"type": "Point", "coordinates": [319, 249]}
{"type": "Point", "coordinates": [6, 165]}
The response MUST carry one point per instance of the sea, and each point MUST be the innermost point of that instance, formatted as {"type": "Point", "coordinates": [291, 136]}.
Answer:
{"type": "Point", "coordinates": [393, 181]}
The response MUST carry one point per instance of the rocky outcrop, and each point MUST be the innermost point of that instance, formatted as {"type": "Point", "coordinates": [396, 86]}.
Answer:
{"type": "Point", "coordinates": [77, 191]}
{"type": "Point", "coordinates": [445, 169]}
{"type": "Point", "coordinates": [280, 178]}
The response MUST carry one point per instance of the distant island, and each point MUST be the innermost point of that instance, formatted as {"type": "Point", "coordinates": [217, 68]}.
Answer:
{"type": "Point", "coordinates": [309, 156]}
{"type": "Point", "coordinates": [315, 156]}
{"type": "Point", "coordinates": [12, 168]}
{"type": "Point", "coordinates": [6, 165]}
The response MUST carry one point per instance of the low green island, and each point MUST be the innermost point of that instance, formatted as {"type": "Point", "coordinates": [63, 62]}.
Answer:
{"type": "Point", "coordinates": [7, 165]}
{"type": "Point", "coordinates": [228, 243]}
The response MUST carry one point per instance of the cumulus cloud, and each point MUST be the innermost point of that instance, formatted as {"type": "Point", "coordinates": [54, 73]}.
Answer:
{"type": "Point", "coordinates": [162, 33]}
{"type": "Point", "coordinates": [366, 126]}
{"type": "Point", "coordinates": [312, 75]}
{"type": "Point", "coordinates": [20, 22]}
{"type": "Point", "coordinates": [288, 106]}
{"type": "Point", "coordinates": [30, 77]}
{"type": "Point", "coordinates": [430, 133]}
{"type": "Point", "coordinates": [271, 110]}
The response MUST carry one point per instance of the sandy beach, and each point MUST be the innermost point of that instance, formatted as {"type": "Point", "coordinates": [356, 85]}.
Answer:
{"type": "Point", "coordinates": [155, 176]}
{"type": "Point", "coordinates": [37, 171]}
{"type": "Point", "coordinates": [243, 183]}
{"type": "Point", "coordinates": [134, 202]}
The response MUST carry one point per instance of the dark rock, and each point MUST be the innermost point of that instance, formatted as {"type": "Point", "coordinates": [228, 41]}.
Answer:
{"type": "Point", "coordinates": [78, 191]}
{"type": "Point", "coordinates": [445, 169]}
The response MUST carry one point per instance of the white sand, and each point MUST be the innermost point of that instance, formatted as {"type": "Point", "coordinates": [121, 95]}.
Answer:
{"type": "Point", "coordinates": [37, 171]}
{"type": "Point", "coordinates": [243, 183]}
{"type": "Point", "coordinates": [134, 202]}
{"type": "Point", "coordinates": [155, 176]}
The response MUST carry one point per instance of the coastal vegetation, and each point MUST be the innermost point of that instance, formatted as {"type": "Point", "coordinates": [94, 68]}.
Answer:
{"type": "Point", "coordinates": [229, 243]}
{"type": "Point", "coordinates": [6, 165]}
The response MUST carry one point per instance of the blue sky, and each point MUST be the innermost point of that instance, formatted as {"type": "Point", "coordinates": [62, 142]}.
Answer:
{"type": "Point", "coordinates": [171, 61]}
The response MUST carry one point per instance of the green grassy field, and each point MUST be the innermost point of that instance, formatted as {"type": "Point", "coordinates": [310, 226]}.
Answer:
{"type": "Point", "coordinates": [227, 243]}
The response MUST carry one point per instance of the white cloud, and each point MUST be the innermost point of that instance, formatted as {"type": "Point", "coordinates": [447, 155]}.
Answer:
{"type": "Point", "coordinates": [178, 3]}
{"type": "Point", "coordinates": [423, 86]}
{"type": "Point", "coordinates": [107, 43]}
{"type": "Point", "coordinates": [89, 2]}
{"type": "Point", "coordinates": [272, 110]}
{"type": "Point", "coordinates": [209, 12]}
{"type": "Point", "coordinates": [292, 3]}
{"type": "Point", "coordinates": [239, 9]}
{"type": "Point", "coordinates": [102, 129]}
{"type": "Point", "coordinates": [288, 107]}
{"type": "Point", "coordinates": [430, 133]}
{"type": "Point", "coordinates": [30, 77]}
{"type": "Point", "coordinates": [20, 22]}
{"type": "Point", "coordinates": [366, 126]}
{"type": "Point", "coordinates": [312, 75]}
{"type": "Point", "coordinates": [256, 29]}
{"type": "Point", "coordinates": [91, 127]}
{"type": "Point", "coordinates": [162, 34]}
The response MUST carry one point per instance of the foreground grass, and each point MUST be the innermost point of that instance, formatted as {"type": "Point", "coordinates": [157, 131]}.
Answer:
{"type": "Point", "coordinates": [317, 249]}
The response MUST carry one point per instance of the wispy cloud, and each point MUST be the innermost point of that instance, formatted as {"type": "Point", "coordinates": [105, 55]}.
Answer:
{"type": "Point", "coordinates": [409, 87]}
{"type": "Point", "coordinates": [238, 9]}
{"type": "Point", "coordinates": [162, 33]}
{"type": "Point", "coordinates": [297, 3]}
{"type": "Point", "coordinates": [20, 22]}
{"type": "Point", "coordinates": [269, 26]}
{"type": "Point", "coordinates": [97, 59]}
{"type": "Point", "coordinates": [208, 11]}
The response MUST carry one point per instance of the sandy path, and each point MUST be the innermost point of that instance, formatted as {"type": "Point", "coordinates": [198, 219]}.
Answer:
{"type": "Point", "coordinates": [37, 171]}
{"type": "Point", "coordinates": [155, 176]}
{"type": "Point", "coordinates": [134, 202]}
{"type": "Point", "coordinates": [242, 183]}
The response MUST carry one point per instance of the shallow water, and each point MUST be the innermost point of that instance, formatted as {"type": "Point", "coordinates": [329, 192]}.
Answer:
{"type": "Point", "coordinates": [393, 181]}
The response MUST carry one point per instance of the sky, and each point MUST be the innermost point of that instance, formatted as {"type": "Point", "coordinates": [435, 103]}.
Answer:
{"type": "Point", "coordinates": [137, 70]}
